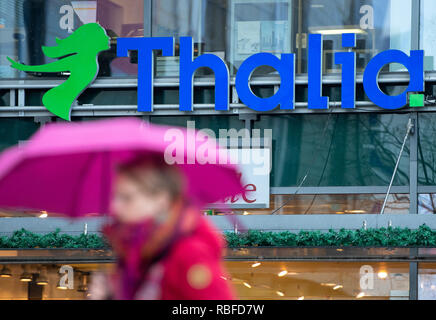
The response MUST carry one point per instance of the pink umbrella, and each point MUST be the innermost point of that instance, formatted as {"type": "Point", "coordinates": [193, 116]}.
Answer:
{"type": "Point", "coordinates": [68, 168]}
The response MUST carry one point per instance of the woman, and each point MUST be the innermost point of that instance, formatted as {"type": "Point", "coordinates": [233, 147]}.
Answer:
{"type": "Point", "coordinates": [166, 249]}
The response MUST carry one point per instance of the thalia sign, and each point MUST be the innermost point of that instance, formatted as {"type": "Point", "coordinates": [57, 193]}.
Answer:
{"type": "Point", "coordinates": [77, 55]}
{"type": "Point", "coordinates": [285, 66]}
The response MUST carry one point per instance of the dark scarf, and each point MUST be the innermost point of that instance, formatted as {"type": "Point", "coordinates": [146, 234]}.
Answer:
{"type": "Point", "coordinates": [141, 245]}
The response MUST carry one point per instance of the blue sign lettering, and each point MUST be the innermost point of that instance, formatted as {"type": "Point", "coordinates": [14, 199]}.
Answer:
{"type": "Point", "coordinates": [285, 67]}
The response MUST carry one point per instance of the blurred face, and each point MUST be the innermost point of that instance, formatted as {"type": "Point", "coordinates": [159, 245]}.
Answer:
{"type": "Point", "coordinates": [132, 204]}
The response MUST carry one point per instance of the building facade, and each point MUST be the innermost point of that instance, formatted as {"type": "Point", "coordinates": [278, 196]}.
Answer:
{"type": "Point", "coordinates": [330, 168]}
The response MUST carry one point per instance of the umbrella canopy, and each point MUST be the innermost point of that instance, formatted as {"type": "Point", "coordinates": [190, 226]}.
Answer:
{"type": "Point", "coordinates": [68, 168]}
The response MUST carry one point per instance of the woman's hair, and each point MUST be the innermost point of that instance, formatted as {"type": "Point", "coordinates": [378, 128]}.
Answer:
{"type": "Point", "coordinates": [154, 176]}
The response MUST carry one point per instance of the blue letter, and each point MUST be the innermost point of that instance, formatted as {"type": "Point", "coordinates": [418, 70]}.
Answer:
{"type": "Point", "coordinates": [187, 71]}
{"type": "Point", "coordinates": [415, 65]}
{"type": "Point", "coordinates": [348, 62]}
{"type": "Point", "coordinates": [315, 98]}
{"type": "Point", "coordinates": [145, 47]}
{"type": "Point", "coordinates": [283, 97]}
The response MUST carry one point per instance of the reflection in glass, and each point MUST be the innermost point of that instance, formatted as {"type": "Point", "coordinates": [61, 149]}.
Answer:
{"type": "Point", "coordinates": [427, 204]}
{"type": "Point", "coordinates": [236, 29]}
{"type": "Point", "coordinates": [426, 281]}
{"type": "Point", "coordinates": [427, 33]}
{"type": "Point", "coordinates": [336, 149]}
{"type": "Point", "coordinates": [251, 280]}
{"type": "Point", "coordinates": [27, 25]}
{"type": "Point", "coordinates": [427, 149]}
{"type": "Point", "coordinates": [319, 280]}
{"type": "Point", "coordinates": [332, 204]}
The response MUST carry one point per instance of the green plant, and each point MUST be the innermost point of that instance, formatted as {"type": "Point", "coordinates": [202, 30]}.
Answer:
{"type": "Point", "coordinates": [424, 236]}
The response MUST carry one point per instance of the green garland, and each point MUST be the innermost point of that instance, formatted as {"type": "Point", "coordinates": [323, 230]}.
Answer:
{"type": "Point", "coordinates": [424, 236]}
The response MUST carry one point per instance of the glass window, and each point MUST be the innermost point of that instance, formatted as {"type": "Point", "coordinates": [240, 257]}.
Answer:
{"type": "Point", "coordinates": [251, 279]}
{"type": "Point", "coordinates": [332, 204]}
{"type": "Point", "coordinates": [16, 130]}
{"type": "Point", "coordinates": [27, 25]}
{"type": "Point", "coordinates": [44, 281]}
{"type": "Point", "coordinates": [336, 149]}
{"type": "Point", "coordinates": [426, 281]}
{"type": "Point", "coordinates": [236, 29]}
{"type": "Point", "coordinates": [426, 149]}
{"type": "Point", "coordinates": [319, 280]}
{"type": "Point", "coordinates": [427, 33]}
{"type": "Point", "coordinates": [427, 204]}
{"type": "Point", "coordinates": [214, 123]}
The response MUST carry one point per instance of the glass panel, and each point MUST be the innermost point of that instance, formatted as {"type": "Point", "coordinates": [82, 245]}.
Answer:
{"type": "Point", "coordinates": [319, 280]}
{"type": "Point", "coordinates": [427, 204]}
{"type": "Point", "coordinates": [331, 204]}
{"type": "Point", "coordinates": [426, 149]}
{"type": "Point", "coordinates": [236, 29]}
{"type": "Point", "coordinates": [27, 25]}
{"type": "Point", "coordinates": [43, 282]}
{"type": "Point", "coordinates": [214, 123]}
{"type": "Point", "coordinates": [251, 279]}
{"type": "Point", "coordinates": [336, 149]}
{"type": "Point", "coordinates": [16, 130]}
{"type": "Point", "coordinates": [427, 33]}
{"type": "Point", "coordinates": [426, 281]}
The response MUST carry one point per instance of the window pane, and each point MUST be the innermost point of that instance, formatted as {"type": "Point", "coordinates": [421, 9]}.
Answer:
{"type": "Point", "coordinates": [337, 149]}
{"type": "Point", "coordinates": [427, 149]}
{"type": "Point", "coordinates": [236, 29]}
{"type": "Point", "coordinates": [427, 33]}
{"type": "Point", "coordinates": [302, 280]}
{"type": "Point", "coordinates": [320, 280]}
{"type": "Point", "coordinates": [427, 204]}
{"type": "Point", "coordinates": [27, 25]}
{"type": "Point", "coordinates": [427, 281]}
{"type": "Point", "coordinates": [332, 204]}
{"type": "Point", "coordinates": [16, 130]}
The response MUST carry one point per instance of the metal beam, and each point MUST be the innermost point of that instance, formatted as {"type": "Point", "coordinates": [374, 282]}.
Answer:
{"type": "Point", "coordinates": [413, 164]}
{"type": "Point", "coordinates": [339, 190]}
{"type": "Point", "coordinates": [116, 83]}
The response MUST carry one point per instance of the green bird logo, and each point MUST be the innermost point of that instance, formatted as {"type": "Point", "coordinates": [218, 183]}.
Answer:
{"type": "Point", "coordinates": [77, 55]}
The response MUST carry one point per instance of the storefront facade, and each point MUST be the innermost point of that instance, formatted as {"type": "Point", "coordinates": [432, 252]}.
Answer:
{"type": "Point", "coordinates": [331, 164]}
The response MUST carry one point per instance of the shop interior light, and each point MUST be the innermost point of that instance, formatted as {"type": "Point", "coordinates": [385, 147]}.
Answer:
{"type": "Point", "coordinates": [25, 276]}
{"type": "Point", "coordinates": [282, 273]}
{"type": "Point", "coordinates": [328, 284]}
{"type": "Point", "coordinates": [83, 280]}
{"type": "Point", "coordinates": [247, 285]}
{"type": "Point", "coordinates": [42, 279]}
{"type": "Point", "coordinates": [338, 287]}
{"type": "Point", "coordinates": [360, 295]}
{"type": "Point", "coordinates": [280, 294]}
{"type": "Point", "coordinates": [43, 214]}
{"type": "Point", "coordinates": [61, 287]}
{"type": "Point", "coordinates": [355, 211]}
{"type": "Point", "coordinates": [301, 298]}
{"type": "Point", "coordinates": [5, 272]}
{"type": "Point", "coordinates": [329, 32]}
{"type": "Point", "coordinates": [256, 264]}
{"type": "Point", "coordinates": [246, 213]}
{"type": "Point", "coordinates": [382, 274]}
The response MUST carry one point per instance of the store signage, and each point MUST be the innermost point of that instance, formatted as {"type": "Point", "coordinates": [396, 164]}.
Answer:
{"type": "Point", "coordinates": [285, 66]}
{"type": "Point", "coordinates": [77, 56]}
{"type": "Point", "coordinates": [255, 177]}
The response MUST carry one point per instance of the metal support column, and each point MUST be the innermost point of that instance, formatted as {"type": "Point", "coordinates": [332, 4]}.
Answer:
{"type": "Point", "coordinates": [147, 18]}
{"type": "Point", "coordinates": [413, 165]}
{"type": "Point", "coordinates": [413, 275]}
